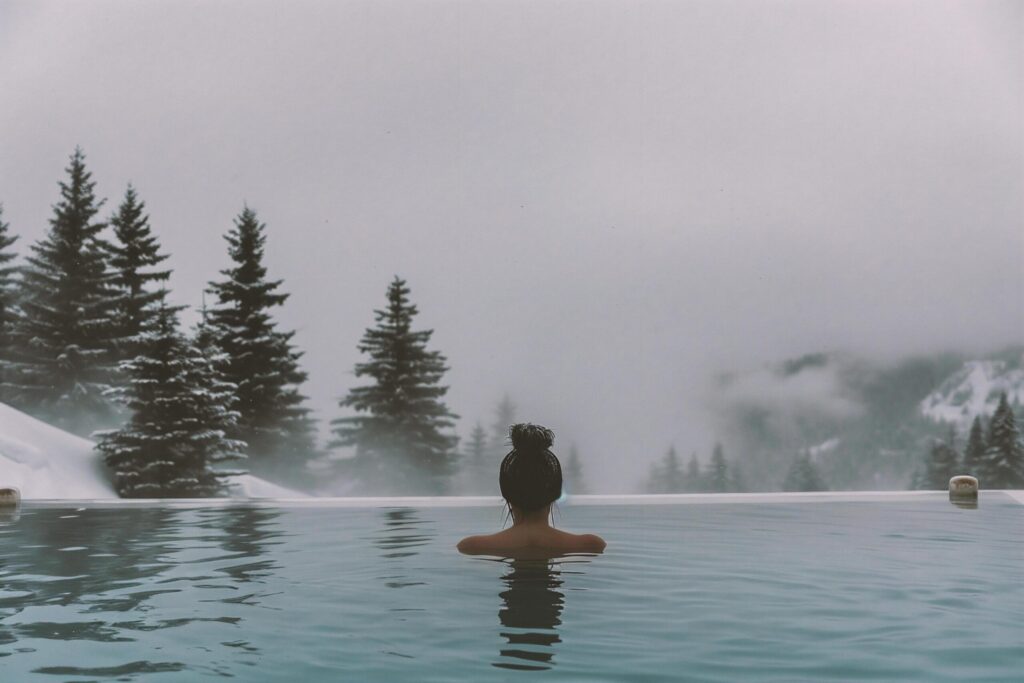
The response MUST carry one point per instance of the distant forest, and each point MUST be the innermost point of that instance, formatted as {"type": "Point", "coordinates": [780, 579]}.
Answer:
{"type": "Point", "coordinates": [90, 343]}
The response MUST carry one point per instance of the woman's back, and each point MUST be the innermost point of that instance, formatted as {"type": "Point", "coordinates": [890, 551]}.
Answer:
{"type": "Point", "coordinates": [534, 540]}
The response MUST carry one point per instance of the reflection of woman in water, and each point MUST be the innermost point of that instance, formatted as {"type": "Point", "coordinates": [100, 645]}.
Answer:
{"type": "Point", "coordinates": [531, 610]}
{"type": "Point", "coordinates": [531, 480]}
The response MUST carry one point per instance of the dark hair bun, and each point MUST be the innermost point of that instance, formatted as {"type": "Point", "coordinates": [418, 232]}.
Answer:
{"type": "Point", "coordinates": [530, 438]}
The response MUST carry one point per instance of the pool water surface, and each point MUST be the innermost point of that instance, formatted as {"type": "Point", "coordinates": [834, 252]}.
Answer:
{"type": "Point", "coordinates": [902, 590]}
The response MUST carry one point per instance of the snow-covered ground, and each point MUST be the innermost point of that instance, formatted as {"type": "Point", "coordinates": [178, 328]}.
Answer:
{"type": "Point", "coordinates": [248, 486]}
{"type": "Point", "coordinates": [44, 462]}
{"type": "Point", "coordinates": [974, 390]}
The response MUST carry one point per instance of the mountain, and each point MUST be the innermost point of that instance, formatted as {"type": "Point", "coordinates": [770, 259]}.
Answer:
{"type": "Point", "coordinates": [44, 462]}
{"type": "Point", "coordinates": [974, 390]}
{"type": "Point", "coordinates": [865, 424]}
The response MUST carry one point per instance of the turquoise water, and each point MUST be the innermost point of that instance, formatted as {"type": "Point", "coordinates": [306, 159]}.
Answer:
{"type": "Point", "coordinates": [895, 591]}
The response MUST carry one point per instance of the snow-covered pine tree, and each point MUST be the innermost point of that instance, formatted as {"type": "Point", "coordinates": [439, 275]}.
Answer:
{"type": "Point", "coordinates": [974, 451]}
{"type": "Point", "coordinates": [261, 360]}
{"type": "Point", "coordinates": [62, 344]}
{"type": "Point", "coordinates": [718, 471]}
{"type": "Point", "coordinates": [942, 464]}
{"type": "Point", "coordinates": [1003, 464]}
{"type": "Point", "coordinates": [803, 475]}
{"type": "Point", "coordinates": [205, 338]}
{"type": "Point", "coordinates": [8, 297]}
{"type": "Point", "coordinates": [399, 431]}
{"type": "Point", "coordinates": [574, 472]}
{"type": "Point", "coordinates": [214, 360]}
{"type": "Point", "coordinates": [134, 256]}
{"type": "Point", "coordinates": [176, 440]}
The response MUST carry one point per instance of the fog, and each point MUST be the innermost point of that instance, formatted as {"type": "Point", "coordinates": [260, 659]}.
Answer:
{"type": "Point", "coordinates": [599, 206]}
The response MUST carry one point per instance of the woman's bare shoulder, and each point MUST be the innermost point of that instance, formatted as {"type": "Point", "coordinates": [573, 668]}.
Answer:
{"type": "Point", "coordinates": [470, 544]}
{"type": "Point", "coordinates": [586, 543]}
{"type": "Point", "coordinates": [483, 544]}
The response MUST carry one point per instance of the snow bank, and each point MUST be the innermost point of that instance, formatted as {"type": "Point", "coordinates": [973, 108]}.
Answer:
{"type": "Point", "coordinates": [44, 462]}
{"type": "Point", "coordinates": [248, 486]}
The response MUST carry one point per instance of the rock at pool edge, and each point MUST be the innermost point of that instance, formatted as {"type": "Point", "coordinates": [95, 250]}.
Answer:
{"type": "Point", "coordinates": [963, 487]}
{"type": "Point", "coordinates": [9, 497]}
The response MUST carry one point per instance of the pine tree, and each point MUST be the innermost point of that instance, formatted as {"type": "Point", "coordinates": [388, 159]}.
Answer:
{"type": "Point", "coordinates": [737, 482]}
{"type": "Point", "coordinates": [62, 346]}
{"type": "Point", "coordinates": [803, 475]}
{"type": "Point", "coordinates": [653, 483]}
{"type": "Point", "coordinates": [260, 359]}
{"type": "Point", "coordinates": [1003, 464]}
{"type": "Point", "coordinates": [213, 361]}
{"type": "Point", "coordinates": [667, 476]}
{"type": "Point", "coordinates": [133, 258]}
{"type": "Point", "coordinates": [693, 478]}
{"type": "Point", "coordinates": [477, 445]}
{"type": "Point", "coordinates": [672, 472]}
{"type": "Point", "coordinates": [478, 474]}
{"type": "Point", "coordinates": [974, 452]}
{"type": "Point", "coordinates": [8, 298]}
{"type": "Point", "coordinates": [574, 472]}
{"type": "Point", "coordinates": [942, 464]}
{"type": "Point", "coordinates": [177, 435]}
{"type": "Point", "coordinates": [718, 471]}
{"type": "Point", "coordinates": [504, 417]}
{"type": "Point", "coordinates": [399, 430]}
{"type": "Point", "coordinates": [205, 339]}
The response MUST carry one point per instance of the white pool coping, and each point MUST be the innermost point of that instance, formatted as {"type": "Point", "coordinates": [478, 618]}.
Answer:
{"type": "Point", "coordinates": [1017, 495]}
{"type": "Point", "coordinates": [495, 501]}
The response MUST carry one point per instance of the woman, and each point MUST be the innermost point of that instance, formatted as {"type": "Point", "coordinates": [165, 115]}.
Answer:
{"type": "Point", "coordinates": [531, 480]}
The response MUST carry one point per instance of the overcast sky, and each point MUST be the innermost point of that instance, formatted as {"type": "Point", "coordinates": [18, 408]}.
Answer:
{"type": "Point", "coordinates": [597, 205]}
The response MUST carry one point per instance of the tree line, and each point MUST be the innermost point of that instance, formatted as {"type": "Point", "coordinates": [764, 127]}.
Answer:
{"type": "Point", "coordinates": [721, 476]}
{"type": "Point", "coordinates": [90, 343]}
{"type": "Point", "coordinates": [995, 456]}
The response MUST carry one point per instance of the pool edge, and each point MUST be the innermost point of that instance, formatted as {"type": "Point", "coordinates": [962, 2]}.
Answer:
{"type": "Point", "coordinates": [486, 501]}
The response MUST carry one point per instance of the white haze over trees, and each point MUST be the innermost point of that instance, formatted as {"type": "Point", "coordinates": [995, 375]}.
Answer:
{"type": "Point", "coordinates": [625, 215]}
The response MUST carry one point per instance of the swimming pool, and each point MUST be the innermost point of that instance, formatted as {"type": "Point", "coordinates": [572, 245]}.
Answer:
{"type": "Point", "coordinates": [898, 588]}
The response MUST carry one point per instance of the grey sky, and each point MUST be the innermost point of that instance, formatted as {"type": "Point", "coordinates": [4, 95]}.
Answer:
{"type": "Point", "coordinates": [597, 204]}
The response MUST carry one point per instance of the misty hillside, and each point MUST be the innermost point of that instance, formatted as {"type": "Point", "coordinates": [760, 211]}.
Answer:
{"type": "Point", "coordinates": [865, 425]}
{"type": "Point", "coordinates": [974, 390]}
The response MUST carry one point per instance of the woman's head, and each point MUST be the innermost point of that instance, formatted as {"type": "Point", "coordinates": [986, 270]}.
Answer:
{"type": "Point", "coordinates": [531, 476]}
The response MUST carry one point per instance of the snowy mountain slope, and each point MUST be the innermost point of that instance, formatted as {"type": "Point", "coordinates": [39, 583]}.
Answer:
{"type": "Point", "coordinates": [974, 390]}
{"type": "Point", "coordinates": [44, 462]}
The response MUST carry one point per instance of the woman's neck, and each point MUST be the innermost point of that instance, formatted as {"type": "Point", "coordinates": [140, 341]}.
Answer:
{"type": "Point", "coordinates": [533, 518]}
